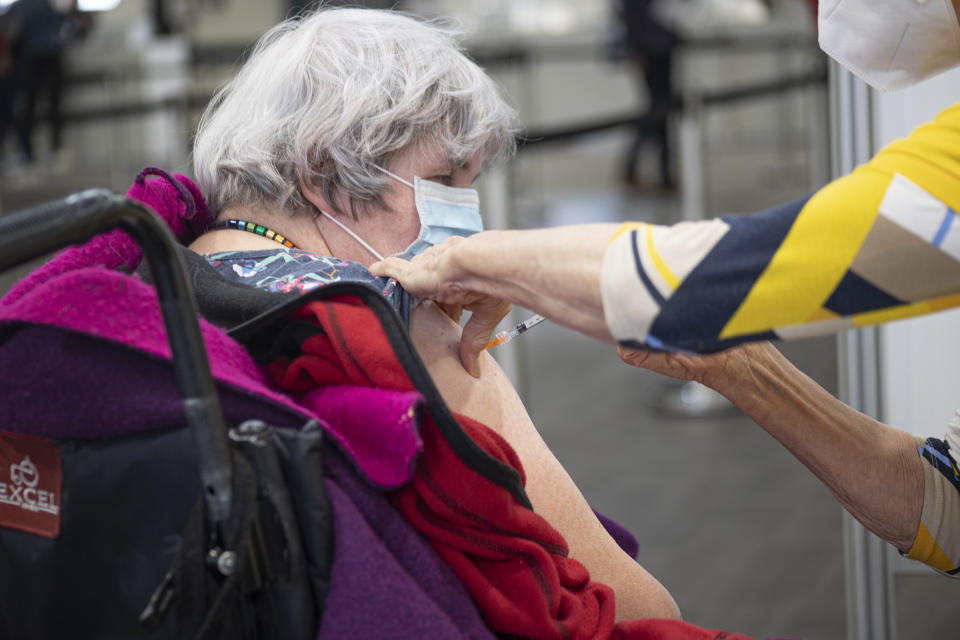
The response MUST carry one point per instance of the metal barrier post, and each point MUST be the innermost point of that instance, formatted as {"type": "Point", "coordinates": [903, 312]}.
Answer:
{"type": "Point", "coordinates": [870, 614]}
{"type": "Point", "coordinates": [496, 213]}
{"type": "Point", "coordinates": [692, 174]}
{"type": "Point", "coordinates": [819, 154]}
{"type": "Point", "coordinates": [113, 157]}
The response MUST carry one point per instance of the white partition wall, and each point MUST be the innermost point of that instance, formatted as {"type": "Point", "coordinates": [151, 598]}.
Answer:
{"type": "Point", "coordinates": [905, 373]}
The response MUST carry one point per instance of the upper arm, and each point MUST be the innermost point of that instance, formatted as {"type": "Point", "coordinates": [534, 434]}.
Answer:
{"type": "Point", "coordinates": [492, 400]}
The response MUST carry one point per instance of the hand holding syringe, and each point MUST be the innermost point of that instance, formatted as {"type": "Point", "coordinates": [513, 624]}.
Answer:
{"type": "Point", "coordinates": [506, 336]}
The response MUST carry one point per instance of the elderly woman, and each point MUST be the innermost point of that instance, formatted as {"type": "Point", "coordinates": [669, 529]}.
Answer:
{"type": "Point", "coordinates": [354, 134]}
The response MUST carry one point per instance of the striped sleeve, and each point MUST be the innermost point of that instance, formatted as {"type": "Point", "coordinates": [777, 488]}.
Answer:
{"type": "Point", "coordinates": [879, 244]}
{"type": "Point", "coordinates": [938, 536]}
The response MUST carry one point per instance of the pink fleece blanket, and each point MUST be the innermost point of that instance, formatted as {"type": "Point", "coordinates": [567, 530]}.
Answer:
{"type": "Point", "coordinates": [80, 289]}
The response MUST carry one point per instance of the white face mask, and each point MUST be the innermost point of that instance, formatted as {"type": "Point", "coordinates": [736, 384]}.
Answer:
{"type": "Point", "coordinates": [891, 44]}
{"type": "Point", "coordinates": [443, 211]}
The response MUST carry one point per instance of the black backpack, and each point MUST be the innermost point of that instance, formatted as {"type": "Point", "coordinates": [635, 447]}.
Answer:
{"type": "Point", "coordinates": [195, 530]}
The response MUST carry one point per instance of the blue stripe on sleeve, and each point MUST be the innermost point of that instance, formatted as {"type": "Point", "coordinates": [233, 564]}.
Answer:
{"type": "Point", "coordinates": [651, 288]}
{"type": "Point", "coordinates": [709, 296]}
{"type": "Point", "coordinates": [944, 228]}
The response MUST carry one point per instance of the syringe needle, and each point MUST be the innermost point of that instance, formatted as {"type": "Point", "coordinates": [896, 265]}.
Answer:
{"type": "Point", "coordinates": [505, 336]}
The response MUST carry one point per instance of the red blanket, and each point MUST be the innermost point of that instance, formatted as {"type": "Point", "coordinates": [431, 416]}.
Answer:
{"type": "Point", "coordinates": [513, 563]}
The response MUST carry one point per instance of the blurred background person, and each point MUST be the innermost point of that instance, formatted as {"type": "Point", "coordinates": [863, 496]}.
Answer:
{"type": "Point", "coordinates": [38, 69]}
{"type": "Point", "coordinates": [162, 25]}
{"type": "Point", "coordinates": [649, 47]}
{"type": "Point", "coordinates": [6, 81]}
{"type": "Point", "coordinates": [11, 94]}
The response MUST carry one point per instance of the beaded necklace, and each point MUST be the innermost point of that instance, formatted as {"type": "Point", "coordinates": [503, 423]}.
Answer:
{"type": "Point", "coordinates": [252, 227]}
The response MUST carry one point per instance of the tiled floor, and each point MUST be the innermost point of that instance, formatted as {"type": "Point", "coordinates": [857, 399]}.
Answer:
{"type": "Point", "coordinates": [740, 533]}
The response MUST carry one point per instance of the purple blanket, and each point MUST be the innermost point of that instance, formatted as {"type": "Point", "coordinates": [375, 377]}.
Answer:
{"type": "Point", "coordinates": [386, 581]}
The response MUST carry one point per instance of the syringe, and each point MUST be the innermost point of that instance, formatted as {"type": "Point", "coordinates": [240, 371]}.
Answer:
{"type": "Point", "coordinates": [506, 336]}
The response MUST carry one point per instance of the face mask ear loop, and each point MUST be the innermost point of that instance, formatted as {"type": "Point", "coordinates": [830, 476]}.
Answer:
{"type": "Point", "coordinates": [352, 234]}
{"type": "Point", "coordinates": [395, 176]}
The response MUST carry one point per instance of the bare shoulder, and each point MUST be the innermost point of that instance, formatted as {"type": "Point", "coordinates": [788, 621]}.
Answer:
{"type": "Point", "coordinates": [492, 400]}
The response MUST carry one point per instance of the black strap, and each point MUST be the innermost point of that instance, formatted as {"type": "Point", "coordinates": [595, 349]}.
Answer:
{"type": "Point", "coordinates": [208, 605]}
{"type": "Point", "coordinates": [273, 322]}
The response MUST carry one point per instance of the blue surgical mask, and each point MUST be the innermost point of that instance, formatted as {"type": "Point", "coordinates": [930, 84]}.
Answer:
{"type": "Point", "coordinates": [444, 212]}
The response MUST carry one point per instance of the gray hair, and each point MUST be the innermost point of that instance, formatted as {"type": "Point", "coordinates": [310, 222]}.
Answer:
{"type": "Point", "coordinates": [325, 97]}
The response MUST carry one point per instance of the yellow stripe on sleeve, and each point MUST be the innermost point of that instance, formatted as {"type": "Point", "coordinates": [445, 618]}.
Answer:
{"type": "Point", "coordinates": [822, 314]}
{"type": "Point", "coordinates": [946, 302]}
{"type": "Point", "coordinates": [926, 550]}
{"type": "Point", "coordinates": [929, 157]}
{"type": "Point", "coordinates": [906, 311]}
{"type": "Point", "coordinates": [668, 276]}
{"type": "Point", "coordinates": [814, 256]}
{"type": "Point", "coordinates": [889, 315]}
{"type": "Point", "coordinates": [626, 227]}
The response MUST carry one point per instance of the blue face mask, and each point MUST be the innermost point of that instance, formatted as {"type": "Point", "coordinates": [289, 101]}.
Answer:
{"type": "Point", "coordinates": [444, 212]}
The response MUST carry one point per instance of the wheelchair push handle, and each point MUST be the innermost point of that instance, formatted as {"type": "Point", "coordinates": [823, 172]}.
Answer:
{"type": "Point", "coordinates": [49, 226]}
{"type": "Point", "coordinates": [39, 230]}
